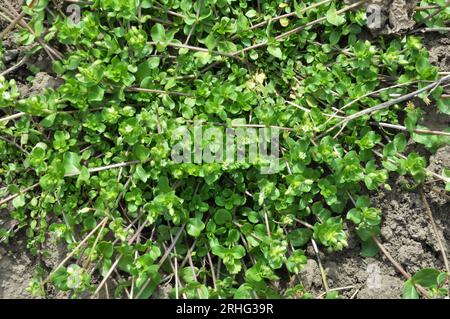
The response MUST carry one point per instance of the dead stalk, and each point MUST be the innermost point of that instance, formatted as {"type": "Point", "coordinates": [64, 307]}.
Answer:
{"type": "Point", "coordinates": [435, 229]}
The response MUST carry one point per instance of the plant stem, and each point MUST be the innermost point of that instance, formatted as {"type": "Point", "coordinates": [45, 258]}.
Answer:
{"type": "Point", "coordinates": [295, 30]}
{"type": "Point", "coordinates": [75, 250]}
{"type": "Point", "coordinates": [104, 168]}
{"type": "Point", "coordinates": [16, 20]}
{"type": "Point", "coordinates": [287, 15]}
{"type": "Point", "coordinates": [14, 67]}
{"type": "Point", "coordinates": [164, 257]}
{"type": "Point", "coordinates": [319, 262]}
{"type": "Point", "coordinates": [11, 197]}
{"type": "Point", "coordinates": [397, 266]}
{"type": "Point", "coordinates": [142, 90]}
{"type": "Point", "coordinates": [12, 117]}
{"type": "Point", "coordinates": [113, 266]}
{"type": "Point", "coordinates": [435, 229]}
{"type": "Point", "coordinates": [403, 128]}
{"type": "Point", "coordinates": [387, 104]}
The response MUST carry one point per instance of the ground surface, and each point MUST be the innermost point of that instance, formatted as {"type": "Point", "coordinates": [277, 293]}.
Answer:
{"type": "Point", "coordinates": [406, 229]}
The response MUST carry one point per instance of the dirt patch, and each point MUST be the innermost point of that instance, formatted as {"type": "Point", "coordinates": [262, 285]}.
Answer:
{"type": "Point", "coordinates": [389, 16]}
{"type": "Point", "coordinates": [17, 268]}
{"type": "Point", "coordinates": [406, 233]}
{"type": "Point", "coordinates": [439, 48]}
{"type": "Point", "coordinates": [40, 82]}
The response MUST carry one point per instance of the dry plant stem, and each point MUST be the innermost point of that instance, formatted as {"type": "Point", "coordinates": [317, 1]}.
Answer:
{"type": "Point", "coordinates": [335, 289]}
{"type": "Point", "coordinates": [356, 292]}
{"type": "Point", "coordinates": [287, 15]}
{"type": "Point", "coordinates": [199, 49]}
{"type": "Point", "coordinates": [14, 144]}
{"type": "Point", "coordinates": [5, 17]}
{"type": "Point", "coordinates": [11, 197]}
{"type": "Point", "coordinates": [142, 90]}
{"type": "Point", "coordinates": [443, 29]}
{"type": "Point", "coordinates": [113, 266]}
{"type": "Point", "coordinates": [304, 223]}
{"type": "Point", "coordinates": [387, 104]}
{"type": "Point", "coordinates": [403, 128]}
{"type": "Point", "coordinates": [435, 13]}
{"type": "Point", "coordinates": [376, 92]}
{"type": "Point", "coordinates": [237, 125]}
{"type": "Point", "coordinates": [400, 99]}
{"type": "Point", "coordinates": [79, 2]}
{"type": "Point", "coordinates": [12, 117]}
{"type": "Point", "coordinates": [103, 282]}
{"type": "Point", "coordinates": [213, 275]}
{"type": "Point", "coordinates": [16, 20]}
{"type": "Point", "coordinates": [88, 263]}
{"type": "Point", "coordinates": [397, 266]}
{"type": "Point", "coordinates": [14, 67]}
{"type": "Point", "coordinates": [190, 250]}
{"type": "Point", "coordinates": [75, 250]}
{"type": "Point", "coordinates": [295, 30]}
{"type": "Point", "coordinates": [436, 231]}
{"type": "Point", "coordinates": [299, 106]}
{"type": "Point", "coordinates": [175, 269]}
{"type": "Point", "coordinates": [175, 14]}
{"type": "Point", "coordinates": [322, 271]}
{"type": "Point", "coordinates": [49, 50]}
{"type": "Point", "coordinates": [425, 8]}
{"type": "Point", "coordinates": [172, 245]}
{"type": "Point", "coordinates": [104, 168]}
{"type": "Point", "coordinates": [199, 10]}
{"type": "Point", "coordinates": [164, 257]}
{"type": "Point", "coordinates": [266, 220]}
{"type": "Point", "coordinates": [191, 264]}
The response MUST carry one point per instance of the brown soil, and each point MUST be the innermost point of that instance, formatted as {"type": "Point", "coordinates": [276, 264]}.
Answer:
{"type": "Point", "coordinates": [406, 233]}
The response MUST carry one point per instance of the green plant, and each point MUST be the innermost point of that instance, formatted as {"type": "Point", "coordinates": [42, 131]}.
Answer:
{"type": "Point", "coordinates": [98, 148]}
{"type": "Point", "coordinates": [429, 278]}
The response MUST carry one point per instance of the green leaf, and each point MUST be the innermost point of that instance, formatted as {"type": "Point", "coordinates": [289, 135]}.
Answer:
{"type": "Point", "coordinates": [19, 201]}
{"type": "Point", "coordinates": [333, 17]}
{"type": "Point", "coordinates": [296, 262]}
{"type": "Point", "coordinates": [95, 93]}
{"type": "Point", "coordinates": [275, 51]}
{"type": "Point", "coordinates": [369, 248]}
{"type": "Point", "coordinates": [158, 33]}
{"type": "Point", "coordinates": [195, 227]}
{"type": "Point", "coordinates": [400, 142]}
{"type": "Point", "coordinates": [141, 152]}
{"type": "Point", "coordinates": [211, 42]}
{"type": "Point", "coordinates": [444, 105]}
{"type": "Point", "coordinates": [389, 150]}
{"type": "Point", "coordinates": [146, 4]}
{"type": "Point", "coordinates": [409, 291]}
{"type": "Point", "coordinates": [423, 66]}
{"type": "Point", "coordinates": [222, 216]}
{"type": "Point", "coordinates": [71, 162]}
{"type": "Point", "coordinates": [141, 173]}
{"type": "Point", "coordinates": [426, 277]}
{"type": "Point", "coordinates": [355, 215]}
{"type": "Point", "coordinates": [106, 249]}
{"type": "Point", "coordinates": [300, 237]}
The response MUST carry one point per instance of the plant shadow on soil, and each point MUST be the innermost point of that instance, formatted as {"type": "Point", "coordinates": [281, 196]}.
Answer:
{"type": "Point", "coordinates": [406, 230]}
